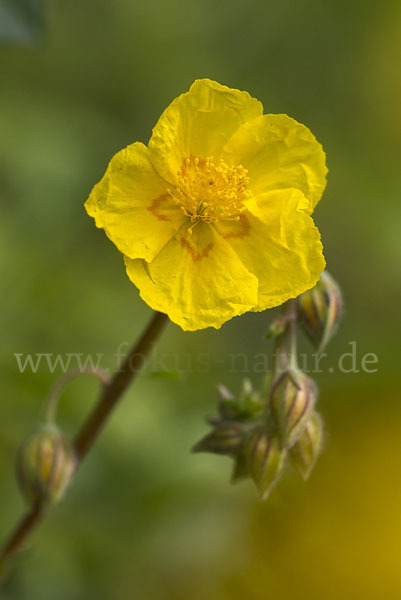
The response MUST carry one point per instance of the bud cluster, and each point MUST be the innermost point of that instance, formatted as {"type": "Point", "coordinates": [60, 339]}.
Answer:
{"type": "Point", "coordinates": [264, 432]}
{"type": "Point", "coordinates": [300, 428]}
{"type": "Point", "coordinates": [238, 432]}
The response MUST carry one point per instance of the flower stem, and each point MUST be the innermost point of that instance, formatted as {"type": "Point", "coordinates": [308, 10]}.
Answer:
{"type": "Point", "coordinates": [112, 392]}
{"type": "Point", "coordinates": [29, 522]}
{"type": "Point", "coordinates": [285, 348]}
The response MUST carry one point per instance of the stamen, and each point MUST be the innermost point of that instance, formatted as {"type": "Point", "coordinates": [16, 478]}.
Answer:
{"type": "Point", "coordinates": [208, 192]}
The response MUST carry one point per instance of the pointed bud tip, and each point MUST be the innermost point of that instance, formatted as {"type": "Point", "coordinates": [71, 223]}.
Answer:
{"type": "Point", "coordinates": [320, 310]}
{"type": "Point", "coordinates": [276, 328]}
{"type": "Point", "coordinates": [225, 438]}
{"type": "Point", "coordinates": [292, 399]}
{"type": "Point", "coordinates": [224, 392]}
{"type": "Point", "coordinates": [306, 450]}
{"type": "Point", "coordinates": [265, 460]}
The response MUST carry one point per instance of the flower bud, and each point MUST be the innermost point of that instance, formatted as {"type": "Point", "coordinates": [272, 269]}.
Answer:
{"type": "Point", "coordinates": [45, 465]}
{"type": "Point", "coordinates": [276, 328]}
{"type": "Point", "coordinates": [265, 459]}
{"type": "Point", "coordinates": [227, 407]}
{"type": "Point", "coordinates": [249, 401]}
{"type": "Point", "coordinates": [247, 405]}
{"type": "Point", "coordinates": [224, 439]}
{"type": "Point", "coordinates": [306, 450]}
{"type": "Point", "coordinates": [293, 396]}
{"type": "Point", "coordinates": [320, 310]}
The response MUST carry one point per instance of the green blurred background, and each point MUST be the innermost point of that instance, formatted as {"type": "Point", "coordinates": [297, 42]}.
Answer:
{"type": "Point", "coordinates": [145, 518]}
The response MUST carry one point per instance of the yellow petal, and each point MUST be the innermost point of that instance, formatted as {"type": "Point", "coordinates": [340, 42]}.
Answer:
{"type": "Point", "coordinates": [279, 153]}
{"type": "Point", "coordinates": [197, 279]}
{"type": "Point", "coordinates": [132, 205]}
{"type": "Point", "coordinates": [199, 123]}
{"type": "Point", "coordinates": [279, 244]}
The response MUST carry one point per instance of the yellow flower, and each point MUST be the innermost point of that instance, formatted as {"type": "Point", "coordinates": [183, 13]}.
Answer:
{"type": "Point", "coordinates": [213, 217]}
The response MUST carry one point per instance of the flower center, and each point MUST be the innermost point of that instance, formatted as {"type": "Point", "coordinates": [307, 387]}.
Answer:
{"type": "Point", "coordinates": [208, 191]}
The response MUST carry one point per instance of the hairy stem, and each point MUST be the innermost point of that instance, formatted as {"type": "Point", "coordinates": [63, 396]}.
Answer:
{"type": "Point", "coordinates": [112, 392]}
{"type": "Point", "coordinates": [29, 522]}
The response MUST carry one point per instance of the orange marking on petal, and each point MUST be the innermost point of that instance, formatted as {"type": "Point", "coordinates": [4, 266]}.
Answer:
{"type": "Point", "coordinates": [243, 231]}
{"type": "Point", "coordinates": [196, 256]}
{"type": "Point", "coordinates": [154, 207]}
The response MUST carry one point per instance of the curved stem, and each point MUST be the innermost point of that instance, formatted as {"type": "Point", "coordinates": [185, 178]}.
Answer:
{"type": "Point", "coordinates": [111, 394]}
{"type": "Point", "coordinates": [53, 398]}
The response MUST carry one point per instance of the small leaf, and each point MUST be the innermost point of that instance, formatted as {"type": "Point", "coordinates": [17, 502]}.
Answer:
{"type": "Point", "coordinates": [224, 392]}
{"type": "Point", "coordinates": [224, 439]}
{"type": "Point", "coordinates": [167, 375]}
{"type": "Point", "coordinates": [276, 328]}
